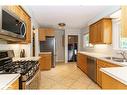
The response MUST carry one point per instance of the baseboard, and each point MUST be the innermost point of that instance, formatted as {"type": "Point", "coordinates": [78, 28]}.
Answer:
{"type": "Point", "coordinates": [60, 61]}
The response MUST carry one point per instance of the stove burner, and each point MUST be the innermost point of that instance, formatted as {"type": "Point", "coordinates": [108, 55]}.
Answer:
{"type": "Point", "coordinates": [21, 67]}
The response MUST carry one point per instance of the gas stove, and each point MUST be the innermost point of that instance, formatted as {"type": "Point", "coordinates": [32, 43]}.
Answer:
{"type": "Point", "coordinates": [21, 67]}
{"type": "Point", "coordinates": [26, 69]}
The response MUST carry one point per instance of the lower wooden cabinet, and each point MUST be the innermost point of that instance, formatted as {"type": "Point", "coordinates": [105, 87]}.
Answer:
{"type": "Point", "coordinates": [82, 62]}
{"type": "Point", "coordinates": [14, 86]}
{"type": "Point", "coordinates": [45, 61]}
{"type": "Point", "coordinates": [111, 83]}
{"type": "Point", "coordinates": [102, 64]}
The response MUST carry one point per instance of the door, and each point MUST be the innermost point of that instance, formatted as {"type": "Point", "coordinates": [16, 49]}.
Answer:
{"type": "Point", "coordinates": [72, 48]}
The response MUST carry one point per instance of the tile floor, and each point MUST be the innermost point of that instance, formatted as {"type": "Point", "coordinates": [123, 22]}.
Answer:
{"type": "Point", "coordinates": [66, 76]}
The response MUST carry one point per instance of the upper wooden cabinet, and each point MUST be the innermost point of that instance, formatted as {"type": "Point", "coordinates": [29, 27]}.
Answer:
{"type": "Point", "coordinates": [43, 32]}
{"type": "Point", "coordinates": [123, 21]}
{"type": "Point", "coordinates": [101, 32]}
{"type": "Point", "coordinates": [21, 13]}
{"type": "Point", "coordinates": [49, 32]}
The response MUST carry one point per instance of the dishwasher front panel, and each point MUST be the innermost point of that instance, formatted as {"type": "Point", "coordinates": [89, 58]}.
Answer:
{"type": "Point", "coordinates": [91, 61]}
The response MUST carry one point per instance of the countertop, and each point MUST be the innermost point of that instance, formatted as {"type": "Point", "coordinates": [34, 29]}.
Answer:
{"type": "Point", "coordinates": [25, 58]}
{"type": "Point", "coordinates": [118, 73]}
{"type": "Point", "coordinates": [7, 79]}
{"type": "Point", "coordinates": [101, 57]}
{"type": "Point", "coordinates": [45, 53]}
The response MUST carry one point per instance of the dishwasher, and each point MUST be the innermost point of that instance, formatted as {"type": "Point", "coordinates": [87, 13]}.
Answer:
{"type": "Point", "coordinates": [91, 67]}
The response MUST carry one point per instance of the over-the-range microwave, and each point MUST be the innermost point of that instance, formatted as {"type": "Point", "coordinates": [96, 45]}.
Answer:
{"type": "Point", "coordinates": [11, 25]}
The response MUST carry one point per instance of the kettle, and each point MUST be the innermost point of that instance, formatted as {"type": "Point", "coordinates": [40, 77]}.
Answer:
{"type": "Point", "coordinates": [22, 53]}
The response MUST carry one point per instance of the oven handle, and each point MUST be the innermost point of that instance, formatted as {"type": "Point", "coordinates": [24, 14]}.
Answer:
{"type": "Point", "coordinates": [28, 82]}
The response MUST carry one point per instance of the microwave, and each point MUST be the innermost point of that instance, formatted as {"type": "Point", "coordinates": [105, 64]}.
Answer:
{"type": "Point", "coordinates": [11, 25]}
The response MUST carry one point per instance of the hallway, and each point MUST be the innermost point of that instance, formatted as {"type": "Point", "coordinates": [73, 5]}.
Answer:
{"type": "Point", "coordinates": [66, 76]}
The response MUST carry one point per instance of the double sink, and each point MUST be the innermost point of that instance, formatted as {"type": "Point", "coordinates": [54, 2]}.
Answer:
{"type": "Point", "coordinates": [116, 59]}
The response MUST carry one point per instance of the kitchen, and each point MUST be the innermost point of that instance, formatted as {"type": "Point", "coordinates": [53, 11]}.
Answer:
{"type": "Point", "coordinates": [38, 51]}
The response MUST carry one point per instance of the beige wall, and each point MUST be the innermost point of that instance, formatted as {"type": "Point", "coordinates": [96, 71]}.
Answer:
{"type": "Point", "coordinates": [59, 46]}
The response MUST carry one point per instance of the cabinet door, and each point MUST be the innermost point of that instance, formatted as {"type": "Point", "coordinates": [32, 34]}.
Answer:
{"type": "Point", "coordinates": [82, 62]}
{"type": "Point", "coordinates": [79, 60]}
{"type": "Point", "coordinates": [100, 31]}
{"type": "Point", "coordinates": [95, 33]}
{"type": "Point", "coordinates": [45, 61]}
{"type": "Point", "coordinates": [92, 34]}
{"type": "Point", "coordinates": [107, 34]}
{"type": "Point", "coordinates": [123, 21]}
{"type": "Point", "coordinates": [99, 81]}
{"type": "Point", "coordinates": [49, 32]}
{"type": "Point", "coordinates": [41, 35]}
{"type": "Point", "coordinates": [100, 64]}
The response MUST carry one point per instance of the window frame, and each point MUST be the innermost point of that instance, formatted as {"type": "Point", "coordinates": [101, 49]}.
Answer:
{"type": "Point", "coordinates": [84, 45]}
{"type": "Point", "coordinates": [116, 35]}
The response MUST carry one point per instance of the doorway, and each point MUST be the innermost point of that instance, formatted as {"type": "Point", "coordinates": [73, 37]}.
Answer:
{"type": "Point", "coordinates": [72, 48]}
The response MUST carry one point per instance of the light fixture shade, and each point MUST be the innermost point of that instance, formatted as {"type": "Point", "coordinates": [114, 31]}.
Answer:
{"type": "Point", "coordinates": [61, 25]}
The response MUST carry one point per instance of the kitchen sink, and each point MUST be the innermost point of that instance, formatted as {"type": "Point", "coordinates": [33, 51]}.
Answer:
{"type": "Point", "coordinates": [116, 59]}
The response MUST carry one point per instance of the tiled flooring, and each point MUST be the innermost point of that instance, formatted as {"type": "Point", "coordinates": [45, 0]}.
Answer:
{"type": "Point", "coordinates": [66, 76]}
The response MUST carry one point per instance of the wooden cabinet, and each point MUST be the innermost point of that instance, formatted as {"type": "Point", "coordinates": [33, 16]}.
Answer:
{"type": "Point", "coordinates": [101, 32]}
{"type": "Point", "coordinates": [42, 36]}
{"type": "Point", "coordinates": [111, 83]}
{"type": "Point", "coordinates": [123, 21]}
{"type": "Point", "coordinates": [102, 64]}
{"type": "Point", "coordinates": [45, 61]}
{"type": "Point", "coordinates": [82, 62]}
{"type": "Point", "coordinates": [49, 32]}
{"type": "Point", "coordinates": [93, 33]}
{"type": "Point", "coordinates": [19, 12]}
{"type": "Point", "coordinates": [43, 32]}
{"type": "Point", "coordinates": [14, 86]}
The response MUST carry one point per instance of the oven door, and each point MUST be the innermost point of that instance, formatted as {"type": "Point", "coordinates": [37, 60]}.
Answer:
{"type": "Point", "coordinates": [34, 83]}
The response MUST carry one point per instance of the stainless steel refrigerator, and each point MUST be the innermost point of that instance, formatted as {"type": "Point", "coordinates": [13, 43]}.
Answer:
{"type": "Point", "coordinates": [49, 45]}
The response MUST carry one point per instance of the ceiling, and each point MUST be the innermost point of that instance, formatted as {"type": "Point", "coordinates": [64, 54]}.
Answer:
{"type": "Point", "coordinates": [72, 16]}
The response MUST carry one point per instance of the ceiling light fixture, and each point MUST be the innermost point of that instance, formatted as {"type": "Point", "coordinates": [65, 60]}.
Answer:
{"type": "Point", "coordinates": [61, 25]}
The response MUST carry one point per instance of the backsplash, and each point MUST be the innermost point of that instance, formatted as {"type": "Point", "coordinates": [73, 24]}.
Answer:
{"type": "Point", "coordinates": [17, 48]}
{"type": "Point", "coordinates": [103, 49]}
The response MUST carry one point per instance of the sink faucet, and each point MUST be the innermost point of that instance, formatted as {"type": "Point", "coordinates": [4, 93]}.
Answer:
{"type": "Point", "coordinates": [123, 53]}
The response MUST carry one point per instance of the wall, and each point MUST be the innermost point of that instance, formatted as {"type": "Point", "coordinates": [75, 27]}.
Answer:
{"type": "Point", "coordinates": [71, 32]}
{"type": "Point", "coordinates": [60, 52]}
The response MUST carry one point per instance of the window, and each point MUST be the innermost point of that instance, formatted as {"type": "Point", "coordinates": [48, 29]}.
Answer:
{"type": "Point", "coordinates": [119, 41]}
{"type": "Point", "coordinates": [123, 43]}
{"type": "Point", "coordinates": [86, 40]}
